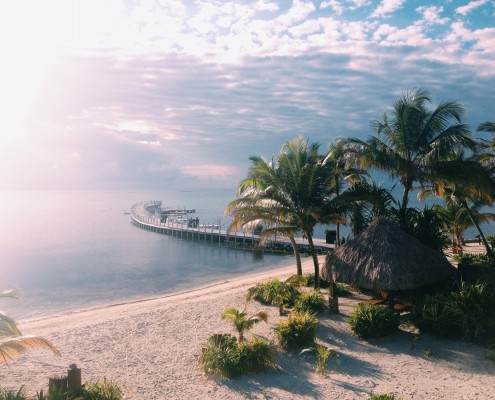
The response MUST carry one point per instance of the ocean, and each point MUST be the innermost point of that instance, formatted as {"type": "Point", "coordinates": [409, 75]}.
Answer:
{"type": "Point", "coordinates": [73, 250]}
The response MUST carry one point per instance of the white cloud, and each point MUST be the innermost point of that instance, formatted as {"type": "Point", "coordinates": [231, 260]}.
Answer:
{"type": "Point", "coordinates": [337, 6]}
{"type": "Point", "coordinates": [387, 7]}
{"type": "Point", "coordinates": [464, 10]}
{"type": "Point", "coordinates": [431, 15]}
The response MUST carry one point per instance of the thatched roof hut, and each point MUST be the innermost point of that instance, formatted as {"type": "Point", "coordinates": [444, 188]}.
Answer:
{"type": "Point", "coordinates": [384, 257]}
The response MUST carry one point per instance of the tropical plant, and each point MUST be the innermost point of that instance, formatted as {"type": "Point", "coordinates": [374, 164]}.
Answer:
{"type": "Point", "coordinates": [275, 292]}
{"type": "Point", "coordinates": [241, 321]}
{"type": "Point", "coordinates": [323, 356]}
{"type": "Point", "coordinates": [230, 359]}
{"type": "Point", "coordinates": [414, 140]}
{"type": "Point", "coordinates": [311, 301]}
{"type": "Point", "coordinates": [373, 321]}
{"type": "Point", "coordinates": [456, 219]}
{"type": "Point", "coordinates": [104, 389]}
{"type": "Point", "coordinates": [383, 397]}
{"type": "Point", "coordinates": [6, 394]}
{"type": "Point", "coordinates": [291, 193]}
{"type": "Point", "coordinates": [299, 330]}
{"type": "Point", "coordinates": [12, 342]}
{"type": "Point", "coordinates": [433, 314]}
{"type": "Point", "coordinates": [475, 259]}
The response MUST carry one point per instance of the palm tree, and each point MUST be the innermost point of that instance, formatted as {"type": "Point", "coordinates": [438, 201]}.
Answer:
{"type": "Point", "coordinates": [276, 292]}
{"type": "Point", "coordinates": [488, 126]}
{"type": "Point", "coordinates": [248, 211]}
{"type": "Point", "coordinates": [12, 342]}
{"type": "Point", "coordinates": [342, 172]}
{"type": "Point", "coordinates": [414, 139]}
{"type": "Point", "coordinates": [241, 321]}
{"type": "Point", "coordinates": [456, 219]}
{"type": "Point", "coordinates": [294, 189]}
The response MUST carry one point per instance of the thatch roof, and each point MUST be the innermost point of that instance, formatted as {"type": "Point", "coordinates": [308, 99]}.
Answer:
{"type": "Point", "coordinates": [384, 257]}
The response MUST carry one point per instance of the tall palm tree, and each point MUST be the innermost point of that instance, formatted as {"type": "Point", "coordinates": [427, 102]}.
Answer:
{"type": "Point", "coordinates": [415, 138]}
{"type": "Point", "coordinates": [241, 321]}
{"type": "Point", "coordinates": [294, 188]}
{"type": "Point", "coordinates": [12, 342]}
{"type": "Point", "coordinates": [488, 126]}
{"type": "Point", "coordinates": [456, 219]}
{"type": "Point", "coordinates": [342, 173]}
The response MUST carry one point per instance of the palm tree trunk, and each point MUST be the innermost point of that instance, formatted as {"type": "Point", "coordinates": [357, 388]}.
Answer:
{"type": "Point", "coordinates": [337, 231]}
{"type": "Point", "coordinates": [482, 236]}
{"type": "Point", "coordinates": [315, 259]}
{"type": "Point", "coordinates": [296, 254]}
{"type": "Point", "coordinates": [405, 200]}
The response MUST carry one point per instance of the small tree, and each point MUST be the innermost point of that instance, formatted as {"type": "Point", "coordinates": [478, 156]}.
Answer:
{"type": "Point", "coordinates": [241, 321]}
{"type": "Point", "coordinates": [276, 292]}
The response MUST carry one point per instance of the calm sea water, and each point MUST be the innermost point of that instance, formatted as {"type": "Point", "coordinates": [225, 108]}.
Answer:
{"type": "Point", "coordinates": [74, 250]}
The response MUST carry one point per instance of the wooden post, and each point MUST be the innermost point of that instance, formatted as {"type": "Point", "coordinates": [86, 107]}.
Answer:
{"type": "Point", "coordinates": [74, 384]}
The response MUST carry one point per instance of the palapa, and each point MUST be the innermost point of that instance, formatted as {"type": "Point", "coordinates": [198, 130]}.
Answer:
{"type": "Point", "coordinates": [384, 257]}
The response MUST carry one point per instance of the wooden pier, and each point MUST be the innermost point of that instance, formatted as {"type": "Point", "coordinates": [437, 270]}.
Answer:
{"type": "Point", "coordinates": [147, 215]}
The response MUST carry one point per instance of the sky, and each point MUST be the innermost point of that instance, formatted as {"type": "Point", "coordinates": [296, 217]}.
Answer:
{"type": "Point", "coordinates": [145, 94]}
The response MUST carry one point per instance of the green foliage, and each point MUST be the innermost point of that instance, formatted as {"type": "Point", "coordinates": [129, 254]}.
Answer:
{"type": "Point", "coordinates": [299, 330]}
{"type": "Point", "coordinates": [12, 394]}
{"type": "Point", "coordinates": [229, 359]}
{"type": "Point", "coordinates": [103, 389]}
{"type": "Point", "coordinates": [475, 259]}
{"type": "Point", "coordinates": [341, 290]}
{"type": "Point", "coordinates": [467, 309]}
{"type": "Point", "coordinates": [371, 321]}
{"type": "Point", "coordinates": [241, 321]}
{"type": "Point", "coordinates": [310, 301]}
{"type": "Point", "coordinates": [309, 281]}
{"type": "Point", "coordinates": [382, 397]}
{"type": "Point", "coordinates": [275, 292]}
{"type": "Point", "coordinates": [323, 356]}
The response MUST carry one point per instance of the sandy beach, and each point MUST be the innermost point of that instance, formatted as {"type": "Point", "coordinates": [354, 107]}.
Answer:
{"type": "Point", "coordinates": [152, 349]}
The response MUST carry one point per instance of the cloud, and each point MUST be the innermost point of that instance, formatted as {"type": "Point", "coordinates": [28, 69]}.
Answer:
{"type": "Point", "coordinates": [431, 15]}
{"type": "Point", "coordinates": [464, 10]}
{"type": "Point", "coordinates": [387, 7]}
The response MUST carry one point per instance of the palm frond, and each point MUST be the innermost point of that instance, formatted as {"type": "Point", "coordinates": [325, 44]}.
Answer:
{"type": "Point", "coordinates": [14, 347]}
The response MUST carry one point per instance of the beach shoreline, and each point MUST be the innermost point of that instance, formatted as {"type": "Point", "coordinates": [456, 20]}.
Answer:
{"type": "Point", "coordinates": [152, 347]}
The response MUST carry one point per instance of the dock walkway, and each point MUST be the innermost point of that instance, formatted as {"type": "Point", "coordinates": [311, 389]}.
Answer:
{"type": "Point", "coordinates": [146, 215]}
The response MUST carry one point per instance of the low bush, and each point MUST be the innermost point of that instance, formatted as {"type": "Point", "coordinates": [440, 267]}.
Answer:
{"type": "Point", "coordinates": [382, 397]}
{"type": "Point", "coordinates": [12, 394]}
{"type": "Point", "coordinates": [229, 359]}
{"type": "Point", "coordinates": [323, 355]}
{"type": "Point", "coordinates": [299, 330]}
{"type": "Point", "coordinates": [466, 309]}
{"type": "Point", "coordinates": [275, 292]}
{"type": "Point", "coordinates": [475, 259]}
{"type": "Point", "coordinates": [310, 301]}
{"type": "Point", "coordinates": [103, 389]}
{"type": "Point", "coordinates": [309, 281]}
{"type": "Point", "coordinates": [372, 321]}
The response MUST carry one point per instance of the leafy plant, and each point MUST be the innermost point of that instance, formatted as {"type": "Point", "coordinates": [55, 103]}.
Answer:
{"type": "Point", "coordinates": [382, 397]}
{"type": "Point", "coordinates": [103, 389]}
{"type": "Point", "coordinates": [230, 359]}
{"type": "Point", "coordinates": [309, 281]}
{"type": "Point", "coordinates": [241, 321]}
{"type": "Point", "coordinates": [475, 259]}
{"type": "Point", "coordinates": [323, 356]}
{"type": "Point", "coordinates": [275, 292]}
{"type": "Point", "coordinates": [299, 330]}
{"type": "Point", "coordinates": [436, 316]}
{"type": "Point", "coordinates": [12, 342]}
{"type": "Point", "coordinates": [310, 301]}
{"type": "Point", "coordinates": [371, 321]}
{"type": "Point", "coordinates": [12, 395]}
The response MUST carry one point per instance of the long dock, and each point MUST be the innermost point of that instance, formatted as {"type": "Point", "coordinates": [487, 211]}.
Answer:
{"type": "Point", "coordinates": [148, 215]}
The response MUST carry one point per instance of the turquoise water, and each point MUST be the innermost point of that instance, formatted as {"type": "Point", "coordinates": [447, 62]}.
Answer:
{"type": "Point", "coordinates": [68, 251]}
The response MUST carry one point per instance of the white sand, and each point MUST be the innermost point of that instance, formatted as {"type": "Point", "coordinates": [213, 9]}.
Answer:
{"type": "Point", "coordinates": [152, 348]}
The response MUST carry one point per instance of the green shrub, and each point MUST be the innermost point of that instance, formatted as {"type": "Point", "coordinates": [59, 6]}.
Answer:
{"type": "Point", "coordinates": [257, 355]}
{"type": "Point", "coordinates": [310, 301]}
{"type": "Point", "coordinates": [229, 359]}
{"type": "Point", "coordinates": [323, 356]}
{"type": "Point", "coordinates": [370, 321]}
{"type": "Point", "coordinates": [466, 309]}
{"type": "Point", "coordinates": [12, 394]}
{"type": "Point", "coordinates": [382, 397]}
{"type": "Point", "coordinates": [341, 290]}
{"type": "Point", "coordinates": [309, 281]}
{"type": "Point", "coordinates": [475, 259]}
{"type": "Point", "coordinates": [435, 315]}
{"type": "Point", "coordinates": [275, 292]}
{"type": "Point", "coordinates": [299, 330]}
{"type": "Point", "coordinates": [103, 389]}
